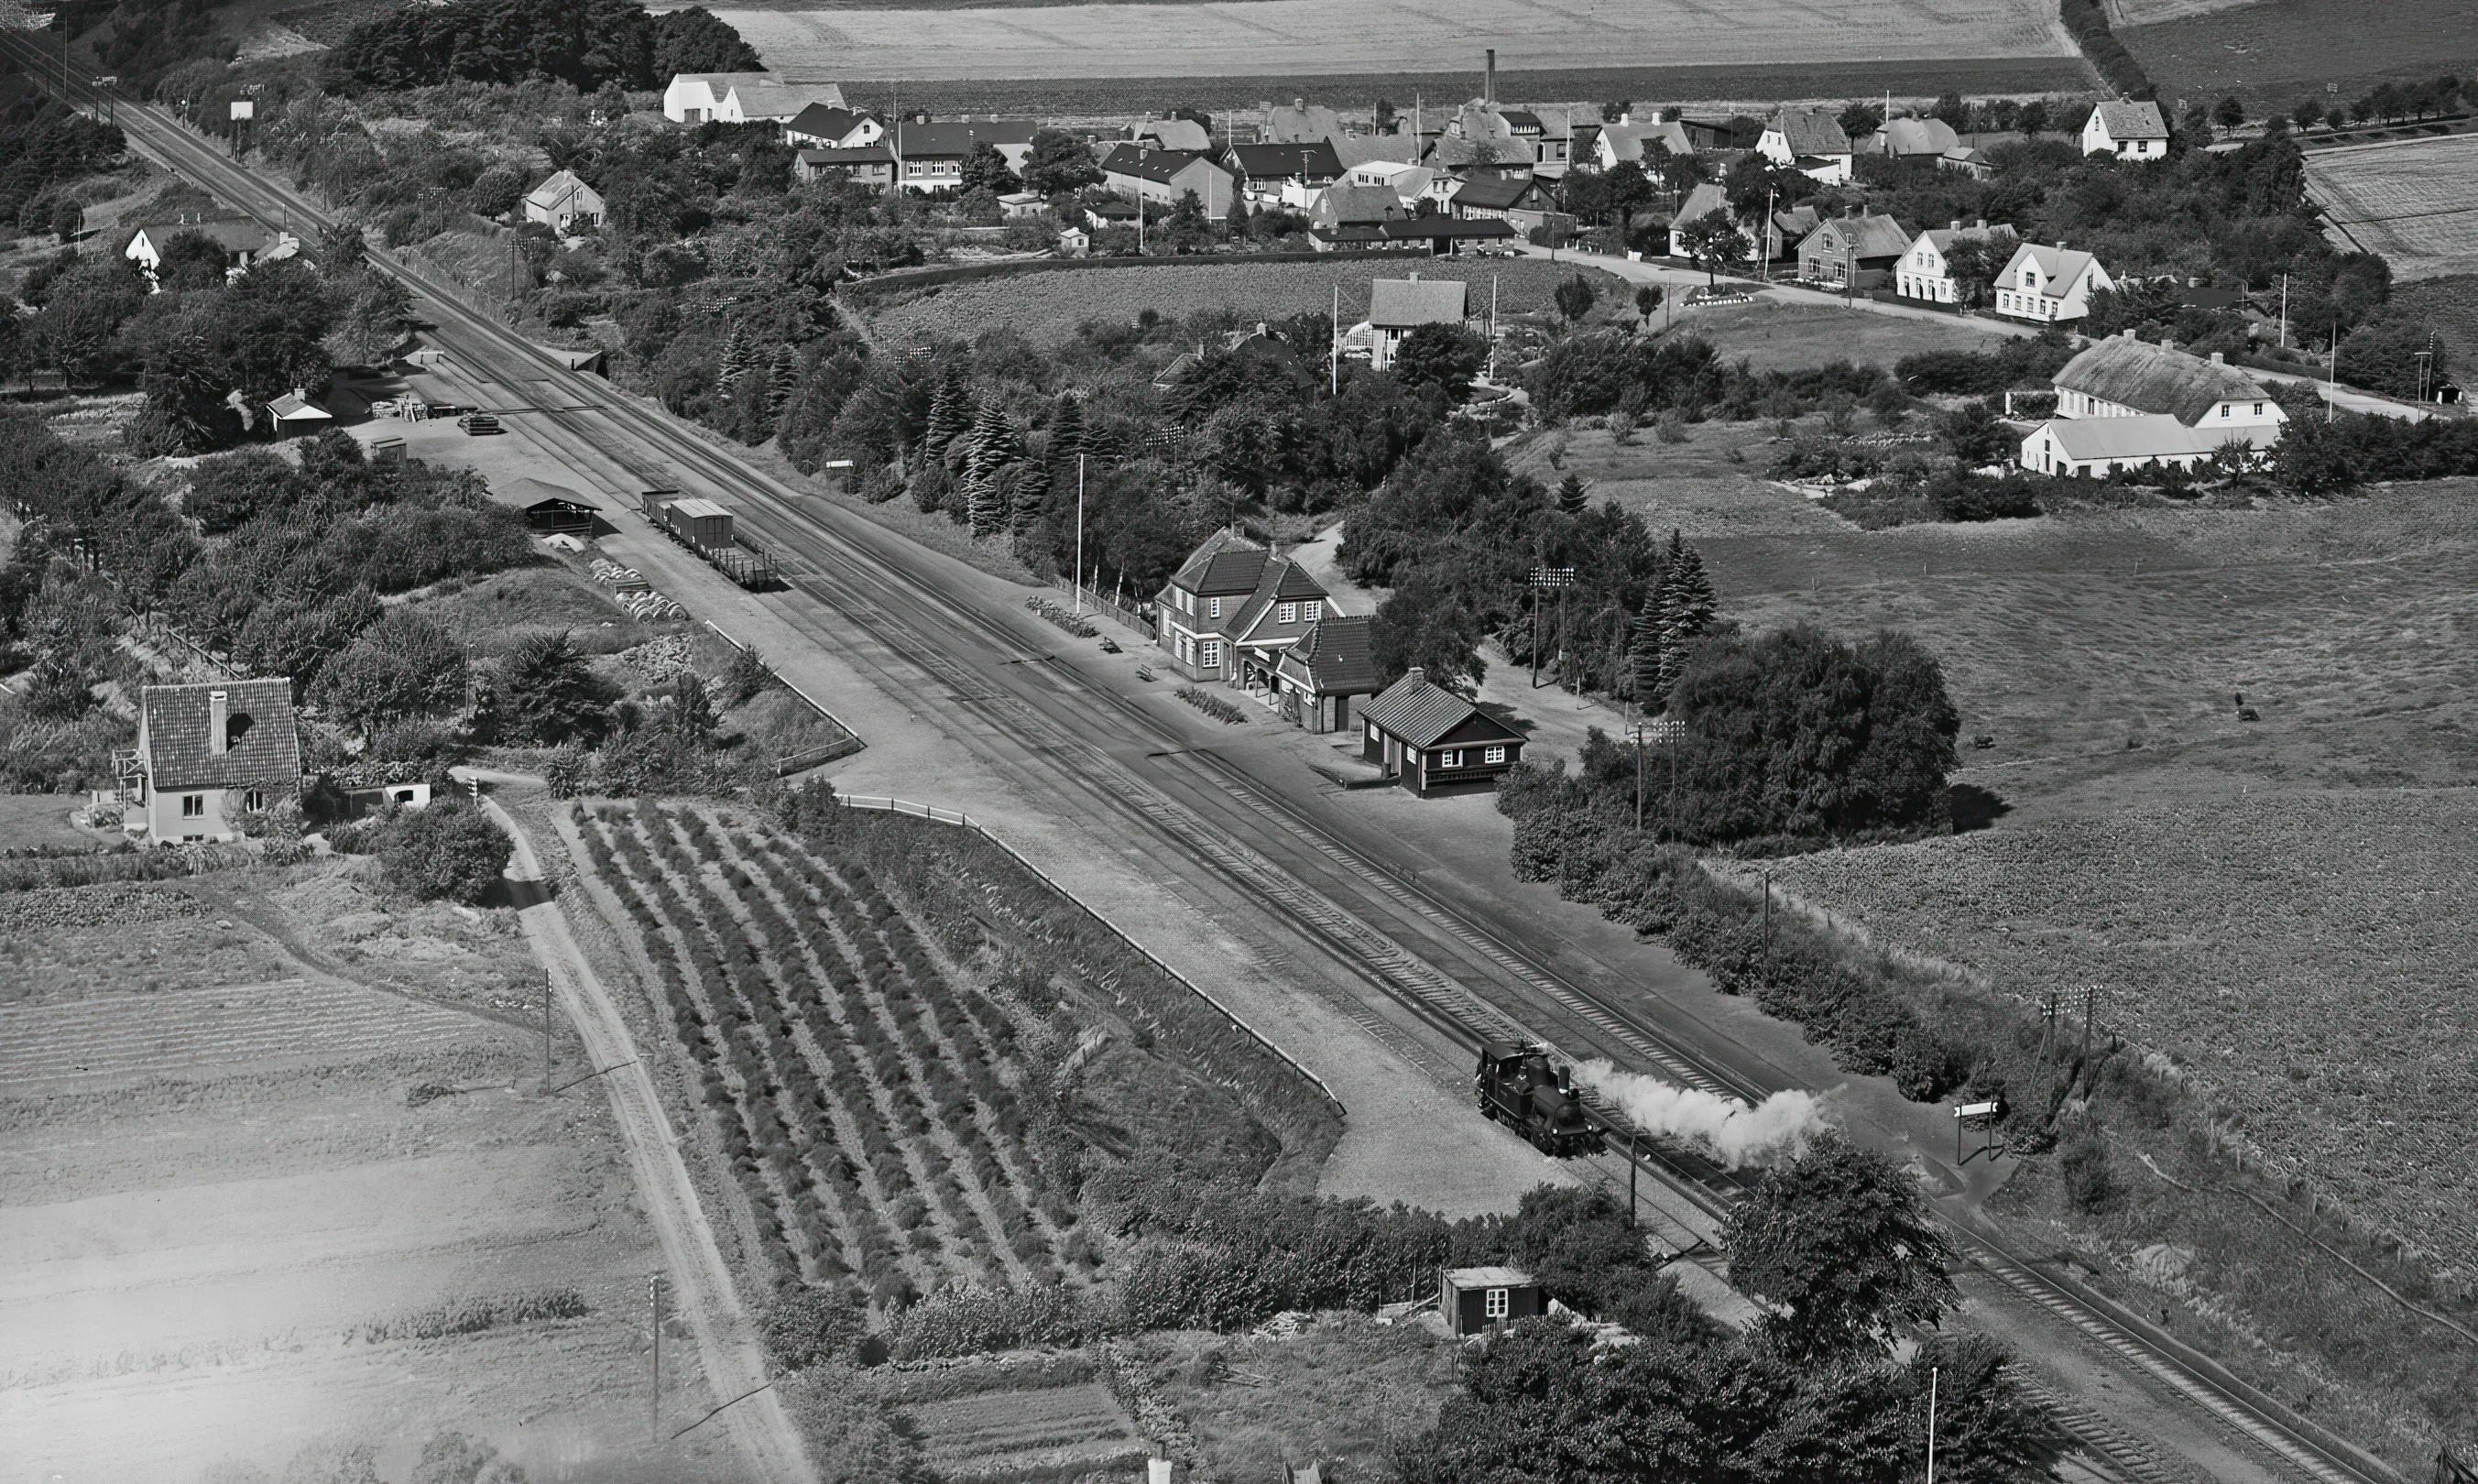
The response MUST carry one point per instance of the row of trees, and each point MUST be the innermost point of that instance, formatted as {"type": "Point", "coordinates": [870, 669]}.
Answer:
{"type": "Point", "coordinates": [583, 43]}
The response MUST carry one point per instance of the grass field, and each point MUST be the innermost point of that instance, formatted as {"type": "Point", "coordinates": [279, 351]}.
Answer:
{"type": "Point", "coordinates": [2414, 204]}
{"type": "Point", "coordinates": [1751, 88]}
{"type": "Point", "coordinates": [1310, 37]}
{"type": "Point", "coordinates": [228, 1235]}
{"type": "Point", "coordinates": [1341, 1391]}
{"type": "Point", "coordinates": [1770, 334]}
{"type": "Point", "coordinates": [1049, 306]}
{"type": "Point", "coordinates": [2275, 52]}
{"type": "Point", "coordinates": [2452, 305]}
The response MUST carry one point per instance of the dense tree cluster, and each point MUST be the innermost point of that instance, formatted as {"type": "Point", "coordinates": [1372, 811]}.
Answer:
{"type": "Point", "coordinates": [44, 143]}
{"type": "Point", "coordinates": [582, 42]}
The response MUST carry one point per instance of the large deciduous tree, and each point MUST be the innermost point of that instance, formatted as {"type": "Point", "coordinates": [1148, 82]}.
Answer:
{"type": "Point", "coordinates": [1840, 1245]}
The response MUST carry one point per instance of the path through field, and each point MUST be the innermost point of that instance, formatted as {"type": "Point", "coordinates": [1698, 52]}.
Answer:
{"type": "Point", "coordinates": [1320, 36]}
{"type": "Point", "coordinates": [700, 1287]}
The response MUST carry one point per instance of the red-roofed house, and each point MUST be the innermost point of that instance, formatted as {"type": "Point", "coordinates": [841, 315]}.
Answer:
{"type": "Point", "coordinates": [211, 752]}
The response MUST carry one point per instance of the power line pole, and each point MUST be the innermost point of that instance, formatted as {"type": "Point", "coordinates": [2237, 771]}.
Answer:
{"type": "Point", "coordinates": [655, 1402]}
{"type": "Point", "coordinates": [1079, 532]}
{"type": "Point", "coordinates": [546, 1030]}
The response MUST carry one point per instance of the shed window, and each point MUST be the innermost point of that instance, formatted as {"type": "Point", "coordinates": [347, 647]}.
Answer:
{"type": "Point", "coordinates": [1450, 758]}
{"type": "Point", "coordinates": [1494, 755]}
{"type": "Point", "coordinates": [193, 806]}
{"type": "Point", "coordinates": [1496, 1304]}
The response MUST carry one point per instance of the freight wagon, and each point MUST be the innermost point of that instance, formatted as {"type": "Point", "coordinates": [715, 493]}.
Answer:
{"type": "Point", "coordinates": [705, 528]}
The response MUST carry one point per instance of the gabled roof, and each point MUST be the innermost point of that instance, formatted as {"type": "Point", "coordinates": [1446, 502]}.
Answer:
{"type": "Point", "coordinates": [2154, 379]}
{"type": "Point", "coordinates": [1864, 237]}
{"type": "Point", "coordinates": [2151, 436]}
{"type": "Point", "coordinates": [1226, 563]}
{"type": "Point", "coordinates": [1284, 581]}
{"type": "Point", "coordinates": [1312, 159]}
{"type": "Point", "coordinates": [1494, 192]}
{"type": "Point", "coordinates": [720, 83]}
{"type": "Point", "coordinates": [959, 137]}
{"type": "Point", "coordinates": [1335, 657]}
{"type": "Point", "coordinates": [1945, 237]}
{"type": "Point", "coordinates": [1703, 201]}
{"type": "Point", "coordinates": [1300, 123]}
{"type": "Point", "coordinates": [232, 234]}
{"type": "Point", "coordinates": [825, 121]}
{"type": "Point", "coordinates": [1173, 133]}
{"type": "Point", "coordinates": [176, 720]}
{"type": "Point", "coordinates": [1162, 166]}
{"type": "Point", "coordinates": [1518, 119]}
{"type": "Point", "coordinates": [1340, 203]}
{"type": "Point", "coordinates": [293, 404]}
{"type": "Point", "coordinates": [1811, 132]}
{"type": "Point", "coordinates": [2060, 268]}
{"type": "Point", "coordinates": [766, 96]}
{"type": "Point", "coordinates": [1357, 149]}
{"type": "Point", "coordinates": [1628, 141]}
{"type": "Point", "coordinates": [1406, 303]}
{"type": "Point", "coordinates": [1919, 137]}
{"type": "Point", "coordinates": [560, 190]}
{"type": "Point", "coordinates": [2132, 120]}
{"type": "Point", "coordinates": [1421, 714]}
{"type": "Point", "coordinates": [1795, 223]}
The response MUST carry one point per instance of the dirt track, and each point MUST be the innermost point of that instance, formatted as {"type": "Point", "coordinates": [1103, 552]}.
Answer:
{"type": "Point", "coordinates": [700, 1287]}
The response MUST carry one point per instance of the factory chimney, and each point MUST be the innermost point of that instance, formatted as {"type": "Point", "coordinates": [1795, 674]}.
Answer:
{"type": "Point", "coordinates": [1489, 78]}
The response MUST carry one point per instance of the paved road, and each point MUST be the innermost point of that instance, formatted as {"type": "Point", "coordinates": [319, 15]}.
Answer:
{"type": "Point", "coordinates": [699, 1287]}
{"type": "Point", "coordinates": [932, 624]}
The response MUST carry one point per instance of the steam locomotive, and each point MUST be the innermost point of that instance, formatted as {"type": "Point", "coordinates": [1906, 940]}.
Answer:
{"type": "Point", "coordinates": [1520, 1087]}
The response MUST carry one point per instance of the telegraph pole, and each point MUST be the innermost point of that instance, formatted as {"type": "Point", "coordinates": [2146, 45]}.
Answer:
{"type": "Point", "coordinates": [1934, 1372]}
{"type": "Point", "coordinates": [655, 1403]}
{"type": "Point", "coordinates": [1079, 532]}
{"type": "Point", "coordinates": [1768, 925]}
{"type": "Point", "coordinates": [546, 1030]}
{"type": "Point", "coordinates": [2090, 1013]}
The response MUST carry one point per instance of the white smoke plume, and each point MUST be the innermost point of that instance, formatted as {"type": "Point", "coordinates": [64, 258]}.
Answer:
{"type": "Point", "coordinates": [1729, 1130]}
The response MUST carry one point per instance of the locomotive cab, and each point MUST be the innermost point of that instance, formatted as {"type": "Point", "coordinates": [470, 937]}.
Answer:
{"type": "Point", "coordinates": [1523, 1089]}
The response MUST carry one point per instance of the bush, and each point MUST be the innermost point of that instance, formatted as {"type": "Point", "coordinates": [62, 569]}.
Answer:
{"type": "Point", "coordinates": [812, 1324]}
{"type": "Point", "coordinates": [2090, 1180]}
{"type": "Point", "coordinates": [450, 850]}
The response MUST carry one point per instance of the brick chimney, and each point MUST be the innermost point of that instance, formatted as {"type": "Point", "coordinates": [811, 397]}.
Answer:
{"type": "Point", "coordinates": [1415, 672]}
{"type": "Point", "coordinates": [218, 719]}
{"type": "Point", "coordinates": [1489, 78]}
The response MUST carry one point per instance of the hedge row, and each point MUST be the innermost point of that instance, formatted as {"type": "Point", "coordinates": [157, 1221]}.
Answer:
{"type": "Point", "coordinates": [2088, 21]}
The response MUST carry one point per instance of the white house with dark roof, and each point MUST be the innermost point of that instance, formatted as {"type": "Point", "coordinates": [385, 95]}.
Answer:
{"type": "Point", "coordinates": [2129, 131]}
{"type": "Point", "coordinates": [1925, 271]}
{"type": "Point", "coordinates": [208, 754]}
{"type": "Point", "coordinates": [825, 126]}
{"type": "Point", "coordinates": [2124, 404]}
{"type": "Point", "coordinates": [1427, 739]}
{"type": "Point", "coordinates": [1810, 140]}
{"type": "Point", "coordinates": [1628, 143]}
{"type": "Point", "coordinates": [245, 243]}
{"type": "Point", "coordinates": [2049, 285]}
{"type": "Point", "coordinates": [1399, 306]}
{"type": "Point", "coordinates": [742, 97]}
{"type": "Point", "coordinates": [1232, 608]}
{"type": "Point", "coordinates": [1287, 174]}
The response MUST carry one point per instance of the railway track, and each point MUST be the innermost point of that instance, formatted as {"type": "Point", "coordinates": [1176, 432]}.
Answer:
{"type": "Point", "coordinates": [1405, 939]}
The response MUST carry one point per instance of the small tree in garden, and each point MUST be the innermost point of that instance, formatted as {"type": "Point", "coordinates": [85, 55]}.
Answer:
{"type": "Point", "coordinates": [450, 850]}
{"type": "Point", "coordinates": [1713, 241]}
{"type": "Point", "coordinates": [2228, 115]}
{"type": "Point", "coordinates": [1572, 495]}
{"type": "Point", "coordinates": [548, 693]}
{"type": "Point", "coordinates": [1443, 356]}
{"type": "Point", "coordinates": [746, 675]}
{"type": "Point", "coordinates": [1647, 299]}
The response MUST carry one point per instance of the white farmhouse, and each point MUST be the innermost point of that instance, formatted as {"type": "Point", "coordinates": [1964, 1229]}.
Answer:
{"type": "Point", "coordinates": [2049, 285]}
{"type": "Point", "coordinates": [1810, 140]}
{"type": "Point", "coordinates": [1925, 271]}
{"type": "Point", "coordinates": [562, 202]}
{"type": "Point", "coordinates": [742, 97]}
{"type": "Point", "coordinates": [2124, 404]}
{"type": "Point", "coordinates": [2129, 131]}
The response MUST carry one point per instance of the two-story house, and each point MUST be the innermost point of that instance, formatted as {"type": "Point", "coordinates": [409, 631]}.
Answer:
{"type": "Point", "coordinates": [1283, 174]}
{"type": "Point", "coordinates": [1810, 140]}
{"type": "Point", "coordinates": [1853, 252]}
{"type": "Point", "coordinates": [208, 754]}
{"type": "Point", "coordinates": [2049, 285]}
{"type": "Point", "coordinates": [1232, 608]}
{"type": "Point", "coordinates": [1521, 201]}
{"type": "Point", "coordinates": [1399, 306]}
{"type": "Point", "coordinates": [1925, 271]}
{"type": "Point", "coordinates": [930, 155]}
{"type": "Point", "coordinates": [1164, 176]}
{"type": "Point", "coordinates": [2125, 404]}
{"type": "Point", "coordinates": [2129, 131]}
{"type": "Point", "coordinates": [822, 126]}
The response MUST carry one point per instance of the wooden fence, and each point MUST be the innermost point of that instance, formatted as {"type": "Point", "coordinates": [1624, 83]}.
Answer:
{"type": "Point", "coordinates": [811, 757]}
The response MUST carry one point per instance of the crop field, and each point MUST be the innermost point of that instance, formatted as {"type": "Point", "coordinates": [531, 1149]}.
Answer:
{"type": "Point", "coordinates": [1049, 306]}
{"type": "Point", "coordinates": [871, 1078]}
{"type": "Point", "coordinates": [2274, 52]}
{"type": "Point", "coordinates": [2303, 954]}
{"type": "Point", "coordinates": [1750, 88]}
{"type": "Point", "coordinates": [1055, 1432]}
{"type": "Point", "coordinates": [1307, 38]}
{"type": "Point", "coordinates": [1342, 1390]}
{"type": "Point", "coordinates": [2415, 203]}
{"type": "Point", "coordinates": [248, 1221]}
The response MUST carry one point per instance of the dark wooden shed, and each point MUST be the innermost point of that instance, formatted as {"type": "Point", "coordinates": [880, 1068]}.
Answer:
{"type": "Point", "coordinates": [1476, 1300]}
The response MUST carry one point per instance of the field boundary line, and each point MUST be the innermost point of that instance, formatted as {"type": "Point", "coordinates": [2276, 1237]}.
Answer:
{"type": "Point", "coordinates": [954, 818]}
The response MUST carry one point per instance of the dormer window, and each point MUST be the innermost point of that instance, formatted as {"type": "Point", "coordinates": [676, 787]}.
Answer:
{"type": "Point", "coordinates": [235, 727]}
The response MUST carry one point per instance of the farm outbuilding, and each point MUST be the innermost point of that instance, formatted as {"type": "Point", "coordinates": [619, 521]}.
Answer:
{"type": "Point", "coordinates": [1476, 1300]}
